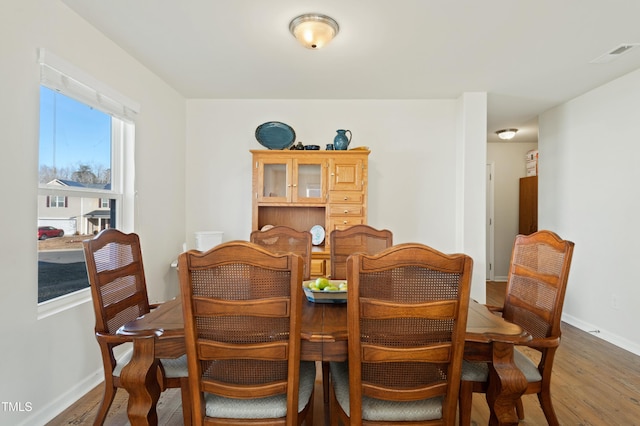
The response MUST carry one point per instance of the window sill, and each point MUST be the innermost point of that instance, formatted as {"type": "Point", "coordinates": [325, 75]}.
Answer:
{"type": "Point", "coordinates": [63, 303]}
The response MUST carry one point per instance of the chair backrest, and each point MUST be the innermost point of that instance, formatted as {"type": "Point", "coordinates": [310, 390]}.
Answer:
{"type": "Point", "coordinates": [116, 276]}
{"type": "Point", "coordinates": [407, 315]}
{"type": "Point", "coordinates": [283, 239]}
{"type": "Point", "coordinates": [537, 283]}
{"type": "Point", "coordinates": [355, 239]}
{"type": "Point", "coordinates": [242, 307]}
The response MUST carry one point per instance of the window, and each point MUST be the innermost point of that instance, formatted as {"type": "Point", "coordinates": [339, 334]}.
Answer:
{"type": "Point", "coordinates": [85, 172]}
{"type": "Point", "coordinates": [57, 201]}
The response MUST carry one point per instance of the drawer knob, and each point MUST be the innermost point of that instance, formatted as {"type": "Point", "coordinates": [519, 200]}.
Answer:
{"type": "Point", "coordinates": [346, 198]}
{"type": "Point", "coordinates": [345, 222]}
{"type": "Point", "coordinates": [346, 211]}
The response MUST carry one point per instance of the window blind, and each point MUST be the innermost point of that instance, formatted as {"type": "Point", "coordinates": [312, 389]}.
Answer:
{"type": "Point", "coordinates": [62, 76]}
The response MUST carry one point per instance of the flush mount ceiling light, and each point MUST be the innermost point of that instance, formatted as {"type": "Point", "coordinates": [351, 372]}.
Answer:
{"type": "Point", "coordinates": [313, 30]}
{"type": "Point", "coordinates": [506, 133]}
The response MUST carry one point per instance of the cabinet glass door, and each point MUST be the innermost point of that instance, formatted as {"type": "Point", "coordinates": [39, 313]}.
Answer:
{"type": "Point", "coordinates": [308, 184]}
{"type": "Point", "coordinates": [274, 182]}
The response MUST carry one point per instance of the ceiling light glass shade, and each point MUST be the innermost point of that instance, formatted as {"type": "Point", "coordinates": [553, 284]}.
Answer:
{"type": "Point", "coordinates": [314, 31]}
{"type": "Point", "coordinates": [506, 133]}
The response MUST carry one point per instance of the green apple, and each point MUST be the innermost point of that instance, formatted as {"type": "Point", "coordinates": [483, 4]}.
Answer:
{"type": "Point", "coordinates": [322, 282]}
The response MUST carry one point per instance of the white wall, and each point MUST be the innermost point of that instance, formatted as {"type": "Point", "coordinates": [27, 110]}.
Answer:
{"type": "Point", "coordinates": [471, 188]}
{"type": "Point", "coordinates": [509, 166]}
{"type": "Point", "coordinates": [411, 147]}
{"type": "Point", "coordinates": [424, 185]}
{"type": "Point", "coordinates": [588, 192]}
{"type": "Point", "coordinates": [416, 168]}
{"type": "Point", "coordinates": [51, 361]}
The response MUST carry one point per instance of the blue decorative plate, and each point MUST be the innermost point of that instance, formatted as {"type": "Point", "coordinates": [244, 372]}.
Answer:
{"type": "Point", "coordinates": [275, 135]}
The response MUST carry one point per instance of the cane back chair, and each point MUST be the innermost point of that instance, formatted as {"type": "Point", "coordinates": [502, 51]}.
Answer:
{"type": "Point", "coordinates": [343, 243]}
{"type": "Point", "coordinates": [407, 314]}
{"type": "Point", "coordinates": [283, 239]}
{"type": "Point", "coordinates": [355, 239]}
{"type": "Point", "coordinates": [242, 306]}
{"type": "Point", "coordinates": [536, 285]}
{"type": "Point", "coordinates": [119, 293]}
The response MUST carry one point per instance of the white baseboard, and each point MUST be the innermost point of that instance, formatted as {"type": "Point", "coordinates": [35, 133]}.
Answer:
{"type": "Point", "coordinates": [51, 410]}
{"type": "Point", "coordinates": [64, 401]}
{"type": "Point", "coordinates": [605, 335]}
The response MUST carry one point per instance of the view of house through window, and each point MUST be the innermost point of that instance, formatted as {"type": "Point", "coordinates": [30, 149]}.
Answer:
{"type": "Point", "coordinates": [75, 196]}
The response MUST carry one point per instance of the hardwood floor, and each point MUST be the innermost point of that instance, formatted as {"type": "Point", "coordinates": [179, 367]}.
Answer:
{"type": "Point", "coordinates": [595, 383]}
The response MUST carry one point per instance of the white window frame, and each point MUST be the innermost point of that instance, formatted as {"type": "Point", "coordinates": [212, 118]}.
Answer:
{"type": "Point", "coordinates": [62, 76]}
{"type": "Point", "coordinates": [54, 201]}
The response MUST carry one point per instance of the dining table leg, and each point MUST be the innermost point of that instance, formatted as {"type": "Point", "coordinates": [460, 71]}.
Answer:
{"type": "Point", "coordinates": [506, 385]}
{"type": "Point", "coordinates": [325, 391]}
{"type": "Point", "coordinates": [140, 378]}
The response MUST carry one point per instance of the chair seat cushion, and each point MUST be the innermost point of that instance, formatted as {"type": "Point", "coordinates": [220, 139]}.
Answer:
{"type": "Point", "coordinates": [262, 408]}
{"type": "Point", "coordinates": [479, 371]}
{"type": "Point", "coordinates": [381, 410]}
{"type": "Point", "coordinates": [176, 367]}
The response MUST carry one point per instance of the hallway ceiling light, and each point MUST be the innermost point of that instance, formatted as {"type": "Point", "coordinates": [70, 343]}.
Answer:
{"type": "Point", "coordinates": [506, 133]}
{"type": "Point", "coordinates": [313, 30]}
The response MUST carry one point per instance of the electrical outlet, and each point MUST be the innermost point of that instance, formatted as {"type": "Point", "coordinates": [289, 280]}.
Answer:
{"type": "Point", "coordinates": [614, 301]}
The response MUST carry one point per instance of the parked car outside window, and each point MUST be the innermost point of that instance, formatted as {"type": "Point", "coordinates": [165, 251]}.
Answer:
{"type": "Point", "coordinates": [45, 232]}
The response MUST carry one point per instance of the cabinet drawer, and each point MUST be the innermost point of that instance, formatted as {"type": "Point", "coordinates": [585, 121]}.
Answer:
{"type": "Point", "coordinates": [345, 210]}
{"type": "Point", "coordinates": [318, 268]}
{"type": "Point", "coordinates": [346, 197]}
{"type": "Point", "coordinates": [343, 222]}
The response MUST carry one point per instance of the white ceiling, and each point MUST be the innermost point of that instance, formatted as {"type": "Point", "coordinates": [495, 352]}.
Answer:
{"type": "Point", "coordinates": [528, 55]}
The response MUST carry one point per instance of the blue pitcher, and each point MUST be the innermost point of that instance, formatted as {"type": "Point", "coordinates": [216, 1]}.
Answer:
{"type": "Point", "coordinates": [340, 141]}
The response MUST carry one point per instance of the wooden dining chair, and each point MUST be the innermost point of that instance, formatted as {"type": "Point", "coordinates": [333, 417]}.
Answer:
{"type": "Point", "coordinates": [283, 239]}
{"type": "Point", "coordinates": [119, 293]}
{"type": "Point", "coordinates": [536, 285]}
{"type": "Point", "coordinates": [357, 238]}
{"type": "Point", "coordinates": [242, 307]}
{"type": "Point", "coordinates": [343, 243]}
{"type": "Point", "coordinates": [406, 313]}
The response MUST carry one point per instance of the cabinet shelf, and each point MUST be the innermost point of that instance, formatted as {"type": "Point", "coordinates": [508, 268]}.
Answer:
{"type": "Point", "coordinates": [300, 218]}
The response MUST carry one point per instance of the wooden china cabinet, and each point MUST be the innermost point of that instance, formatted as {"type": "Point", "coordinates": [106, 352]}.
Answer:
{"type": "Point", "coordinates": [301, 189]}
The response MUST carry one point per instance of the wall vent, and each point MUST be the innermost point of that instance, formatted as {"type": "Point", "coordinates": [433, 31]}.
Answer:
{"type": "Point", "coordinates": [615, 53]}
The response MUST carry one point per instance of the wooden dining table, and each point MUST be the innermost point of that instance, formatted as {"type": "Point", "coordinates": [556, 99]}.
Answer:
{"type": "Point", "coordinates": [160, 334]}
